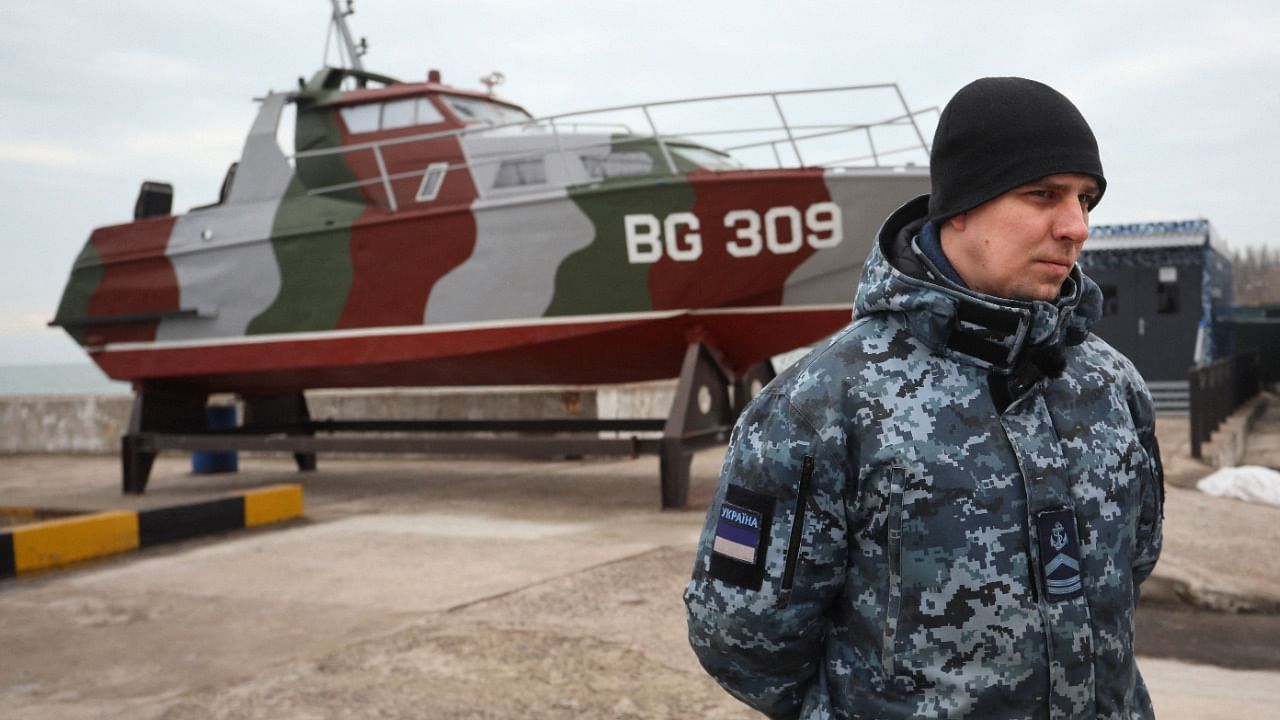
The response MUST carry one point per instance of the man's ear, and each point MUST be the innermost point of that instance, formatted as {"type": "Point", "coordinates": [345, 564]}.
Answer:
{"type": "Point", "coordinates": [957, 221]}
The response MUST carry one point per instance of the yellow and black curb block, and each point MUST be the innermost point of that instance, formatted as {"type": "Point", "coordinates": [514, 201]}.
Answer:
{"type": "Point", "coordinates": [41, 545]}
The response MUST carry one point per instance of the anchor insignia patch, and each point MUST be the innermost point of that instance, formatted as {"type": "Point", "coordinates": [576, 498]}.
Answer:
{"type": "Point", "coordinates": [1059, 555]}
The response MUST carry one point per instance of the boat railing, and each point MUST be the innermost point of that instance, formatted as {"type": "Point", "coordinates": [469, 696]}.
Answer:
{"type": "Point", "coordinates": [752, 139]}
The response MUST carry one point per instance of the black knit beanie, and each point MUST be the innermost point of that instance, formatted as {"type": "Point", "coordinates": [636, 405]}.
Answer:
{"type": "Point", "coordinates": [998, 133]}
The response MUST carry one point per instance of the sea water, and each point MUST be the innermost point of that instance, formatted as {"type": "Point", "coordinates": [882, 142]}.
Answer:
{"type": "Point", "coordinates": [58, 379]}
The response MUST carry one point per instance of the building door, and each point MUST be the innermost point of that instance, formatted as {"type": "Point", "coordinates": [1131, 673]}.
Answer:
{"type": "Point", "coordinates": [1169, 317]}
{"type": "Point", "coordinates": [1119, 322]}
{"type": "Point", "coordinates": [1150, 314]}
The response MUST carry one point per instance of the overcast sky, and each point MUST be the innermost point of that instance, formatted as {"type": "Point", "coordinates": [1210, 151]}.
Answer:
{"type": "Point", "coordinates": [97, 96]}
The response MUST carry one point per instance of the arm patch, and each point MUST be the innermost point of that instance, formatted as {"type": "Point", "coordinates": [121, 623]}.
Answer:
{"type": "Point", "coordinates": [741, 541]}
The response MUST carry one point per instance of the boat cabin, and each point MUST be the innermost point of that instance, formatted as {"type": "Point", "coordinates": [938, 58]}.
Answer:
{"type": "Point", "coordinates": [401, 145]}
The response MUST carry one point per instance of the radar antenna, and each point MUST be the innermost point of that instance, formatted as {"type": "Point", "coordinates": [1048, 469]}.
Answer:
{"type": "Point", "coordinates": [352, 50]}
{"type": "Point", "coordinates": [492, 80]}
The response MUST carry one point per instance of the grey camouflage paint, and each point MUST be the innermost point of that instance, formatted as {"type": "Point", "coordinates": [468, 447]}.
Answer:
{"type": "Point", "coordinates": [915, 586]}
{"type": "Point", "coordinates": [231, 289]}
{"type": "Point", "coordinates": [865, 197]}
{"type": "Point", "coordinates": [512, 271]}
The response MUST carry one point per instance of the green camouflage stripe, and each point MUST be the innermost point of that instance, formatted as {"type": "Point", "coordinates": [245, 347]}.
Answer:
{"type": "Point", "coordinates": [86, 275]}
{"type": "Point", "coordinates": [598, 278]}
{"type": "Point", "coordinates": [315, 265]}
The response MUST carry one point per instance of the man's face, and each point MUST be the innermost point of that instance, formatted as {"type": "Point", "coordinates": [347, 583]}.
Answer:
{"type": "Point", "coordinates": [1022, 244]}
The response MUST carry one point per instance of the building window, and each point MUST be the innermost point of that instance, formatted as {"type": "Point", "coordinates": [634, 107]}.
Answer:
{"type": "Point", "coordinates": [1167, 291]}
{"type": "Point", "coordinates": [1110, 300]}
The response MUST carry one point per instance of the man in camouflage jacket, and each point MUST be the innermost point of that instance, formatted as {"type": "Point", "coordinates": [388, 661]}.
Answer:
{"type": "Point", "coordinates": [946, 512]}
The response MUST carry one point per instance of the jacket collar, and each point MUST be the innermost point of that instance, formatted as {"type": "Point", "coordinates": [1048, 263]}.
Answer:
{"type": "Point", "coordinates": [983, 330]}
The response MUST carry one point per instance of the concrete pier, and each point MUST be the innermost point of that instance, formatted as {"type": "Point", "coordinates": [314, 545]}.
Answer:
{"type": "Point", "coordinates": [93, 424]}
{"type": "Point", "coordinates": [492, 588]}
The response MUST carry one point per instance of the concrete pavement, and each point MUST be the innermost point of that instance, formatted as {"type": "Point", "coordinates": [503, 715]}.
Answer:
{"type": "Point", "coordinates": [452, 589]}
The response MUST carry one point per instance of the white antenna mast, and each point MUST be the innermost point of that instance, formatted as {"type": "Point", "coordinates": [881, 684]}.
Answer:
{"type": "Point", "coordinates": [354, 51]}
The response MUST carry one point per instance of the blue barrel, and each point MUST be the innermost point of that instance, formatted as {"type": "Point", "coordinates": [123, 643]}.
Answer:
{"type": "Point", "coordinates": [204, 463]}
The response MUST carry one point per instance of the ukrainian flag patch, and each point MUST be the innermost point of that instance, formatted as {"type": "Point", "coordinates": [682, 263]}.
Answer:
{"type": "Point", "coordinates": [738, 533]}
{"type": "Point", "coordinates": [741, 539]}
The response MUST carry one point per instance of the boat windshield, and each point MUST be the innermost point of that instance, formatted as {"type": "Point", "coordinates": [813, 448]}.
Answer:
{"type": "Point", "coordinates": [706, 158]}
{"type": "Point", "coordinates": [477, 110]}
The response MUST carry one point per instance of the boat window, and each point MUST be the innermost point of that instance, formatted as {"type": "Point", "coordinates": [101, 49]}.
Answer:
{"type": "Point", "coordinates": [476, 110]}
{"type": "Point", "coordinates": [390, 115]}
{"type": "Point", "coordinates": [432, 179]}
{"type": "Point", "coordinates": [514, 173]}
{"type": "Point", "coordinates": [286, 131]}
{"type": "Point", "coordinates": [361, 118]}
{"type": "Point", "coordinates": [617, 164]}
{"type": "Point", "coordinates": [427, 114]}
{"type": "Point", "coordinates": [398, 114]}
{"type": "Point", "coordinates": [705, 158]}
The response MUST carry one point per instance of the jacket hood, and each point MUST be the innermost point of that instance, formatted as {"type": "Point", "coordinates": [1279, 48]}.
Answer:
{"type": "Point", "coordinates": [979, 329]}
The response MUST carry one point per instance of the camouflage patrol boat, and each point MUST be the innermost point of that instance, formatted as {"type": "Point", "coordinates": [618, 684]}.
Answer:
{"type": "Point", "coordinates": [416, 233]}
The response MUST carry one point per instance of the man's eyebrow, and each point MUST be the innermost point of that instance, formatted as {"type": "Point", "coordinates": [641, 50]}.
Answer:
{"type": "Point", "coordinates": [1059, 186]}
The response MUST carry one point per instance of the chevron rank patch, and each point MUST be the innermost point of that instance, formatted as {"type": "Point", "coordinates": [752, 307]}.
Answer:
{"type": "Point", "coordinates": [742, 537]}
{"type": "Point", "coordinates": [1059, 555]}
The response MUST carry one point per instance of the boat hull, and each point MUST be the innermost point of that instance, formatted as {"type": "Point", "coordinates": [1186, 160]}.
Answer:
{"type": "Point", "coordinates": [600, 284]}
{"type": "Point", "coordinates": [608, 349]}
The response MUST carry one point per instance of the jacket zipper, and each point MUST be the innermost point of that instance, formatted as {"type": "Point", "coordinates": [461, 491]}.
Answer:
{"type": "Point", "coordinates": [797, 523]}
{"type": "Point", "coordinates": [893, 548]}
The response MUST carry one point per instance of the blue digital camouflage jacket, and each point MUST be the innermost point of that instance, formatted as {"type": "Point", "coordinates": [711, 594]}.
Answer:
{"type": "Point", "coordinates": [927, 519]}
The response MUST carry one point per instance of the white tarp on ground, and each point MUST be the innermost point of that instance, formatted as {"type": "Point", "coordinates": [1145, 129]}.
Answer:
{"type": "Point", "coordinates": [1251, 483]}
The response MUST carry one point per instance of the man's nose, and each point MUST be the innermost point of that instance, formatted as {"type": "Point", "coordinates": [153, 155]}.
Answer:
{"type": "Point", "coordinates": [1071, 223]}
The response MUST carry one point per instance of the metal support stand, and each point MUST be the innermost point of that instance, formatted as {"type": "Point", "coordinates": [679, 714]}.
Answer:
{"type": "Point", "coordinates": [749, 384]}
{"type": "Point", "coordinates": [701, 416]}
{"type": "Point", "coordinates": [288, 411]}
{"type": "Point", "coordinates": [156, 410]}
